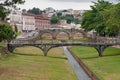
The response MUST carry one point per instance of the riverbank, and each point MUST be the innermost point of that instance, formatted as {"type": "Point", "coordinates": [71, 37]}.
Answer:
{"type": "Point", "coordinates": [106, 67]}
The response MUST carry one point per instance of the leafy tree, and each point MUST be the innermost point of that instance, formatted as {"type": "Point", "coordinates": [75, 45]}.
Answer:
{"type": "Point", "coordinates": [59, 14]}
{"type": "Point", "coordinates": [6, 33]}
{"type": "Point", "coordinates": [35, 11]}
{"type": "Point", "coordinates": [54, 20]}
{"type": "Point", "coordinates": [87, 22]}
{"type": "Point", "coordinates": [112, 19]}
{"type": "Point", "coordinates": [24, 10]}
{"type": "Point", "coordinates": [77, 21]}
{"type": "Point", "coordinates": [69, 18]}
{"type": "Point", "coordinates": [2, 13]}
{"type": "Point", "coordinates": [9, 4]}
{"type": "Point", "coordinates": [93, 19]}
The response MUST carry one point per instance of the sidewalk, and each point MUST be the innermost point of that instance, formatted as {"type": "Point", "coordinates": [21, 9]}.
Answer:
{"type": "Point", "coordinates": [77, 68]}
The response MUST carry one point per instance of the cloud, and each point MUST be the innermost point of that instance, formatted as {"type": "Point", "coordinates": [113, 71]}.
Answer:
{"type": "Point", "coordinates": [80, 0]}
{"type": "Point", "coordinates": [59, 4]}
{"type": "Point", "coordinates": [72, 0]}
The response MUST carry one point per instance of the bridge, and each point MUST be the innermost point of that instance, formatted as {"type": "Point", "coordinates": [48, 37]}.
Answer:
{"type": "Point", "coordinates": [99, 43]}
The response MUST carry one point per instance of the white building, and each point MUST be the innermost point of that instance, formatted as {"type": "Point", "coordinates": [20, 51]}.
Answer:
{"type": "Point", "coordinates": [66, 12]}
{"type": "Point", "coordinates": [28, 22]}
{"type": "Point", "coordinates": [16, 19]}
{"type": "Point", "coordinates": [49, 10]}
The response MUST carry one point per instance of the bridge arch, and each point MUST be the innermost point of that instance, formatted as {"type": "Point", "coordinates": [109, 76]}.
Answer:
{"type": "Point", "coordinates": [63, 34]}
{"type": "Point", "coordinates": [46, 36]}
{"type": "Point", "coordinates": [55, 33]}
{"type": "Point", "coordinates": [46, 32]}
{"type": "Point", "coordinates": [44, 48]}
{"type": "Point", "coordinates": [79, 33]}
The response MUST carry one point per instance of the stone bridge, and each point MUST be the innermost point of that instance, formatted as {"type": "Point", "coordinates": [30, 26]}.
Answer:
{"type": "Point", "coordinates": [53, 34]}
{"type": "Point", "coordinates": [99, 43]}
{"type": "Point", "coordinates": [45, 47]}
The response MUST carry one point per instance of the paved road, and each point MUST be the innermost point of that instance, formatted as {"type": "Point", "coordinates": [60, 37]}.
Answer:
{"type": "Point", "coordinates": [77, 68]}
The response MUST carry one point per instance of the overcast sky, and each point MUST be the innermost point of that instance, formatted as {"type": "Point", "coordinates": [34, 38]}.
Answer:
{"type": "Point", "coordinates": [59, 4]}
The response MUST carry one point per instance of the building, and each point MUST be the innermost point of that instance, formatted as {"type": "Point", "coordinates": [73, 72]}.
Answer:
{"type": "Point", "coordinates": [79, 12]}
{"type": "Point", "coordinates": [65, 12]}
{"type": "Point", "coordinates": [16, 20]}
{"type": "Point", "coordinates": [49, 10]}
{"type": "Point", "coordinates": [62, 22]}
{"type": "Point", "coordinates": [42, 22]}
{"type": "Point", "coordinates": [28, 22]}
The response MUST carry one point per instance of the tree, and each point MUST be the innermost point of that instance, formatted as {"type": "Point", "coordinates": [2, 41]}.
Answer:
{"type": "Point", "coordinates": [77, 21]}
{"type": "Point", "coordinates": [6, 5]}
{"type": "Point", "coordinates": [6, 33]}
{"type": "Point", "coordinates": [93, 19]}
{"type": "Point", "coordinates": [59, 14]}
{"type": "Point", "coordinates": [69, 18]}
{"type": "Point", "coordinates": [87, 22]}
{"type": "Point", "coordinates": [2, 13]}
{"type": "Point", "coordinates": [11, 3]}
{"type": "Point", "coordinates": [24, 10]}
{"type": "Point", "coordinates": [54, 20]}
{"type": "Point", "coordinates": [35, 11]}
{"type": "Point", "coordinates": [112, 19]}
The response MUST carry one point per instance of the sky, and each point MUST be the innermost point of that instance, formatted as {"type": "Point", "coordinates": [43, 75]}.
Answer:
{"type": "Point", "coordinates": [59, 4]}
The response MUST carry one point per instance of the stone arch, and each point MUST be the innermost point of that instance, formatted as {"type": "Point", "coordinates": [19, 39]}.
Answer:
{"type": "Point", "coordinates": [46, 32]}
{"type": "Point", "coordinates": [63, 35]}
{"type": "Point", "coordinates": [46, 35]}
{"type": "Point", "coordinates": [43, 33]}
{"type": "Point", "coordinates": [79, 34]}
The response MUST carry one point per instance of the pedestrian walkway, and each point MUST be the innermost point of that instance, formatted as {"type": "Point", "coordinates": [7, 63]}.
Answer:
{"type": "Point", "coordinates": [77, 68]}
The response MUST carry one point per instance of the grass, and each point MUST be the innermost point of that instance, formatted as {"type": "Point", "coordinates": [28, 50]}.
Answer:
{"type": "Point", "coordinates": [106, 67]}
{"type": "Point", "coordinates": [28, 63]}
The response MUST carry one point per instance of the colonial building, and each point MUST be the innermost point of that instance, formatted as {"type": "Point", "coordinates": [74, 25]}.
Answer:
{"type": "Point", "coordinates": [42, 22]}
{"type": "Point", "coordinates": [49, 10]}
{"type": "Point", "coordinates": [62, 22]}
{"type": "Point", "coordinates": [28, 22]}
{"type": "Point", "coordinates": [16, 20]}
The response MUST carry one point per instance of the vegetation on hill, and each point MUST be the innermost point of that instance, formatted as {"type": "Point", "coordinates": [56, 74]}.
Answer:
{"type": "Point", "coordinates": [35, 11]}
{"type": "Point", "coordinates": [69, 18]}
